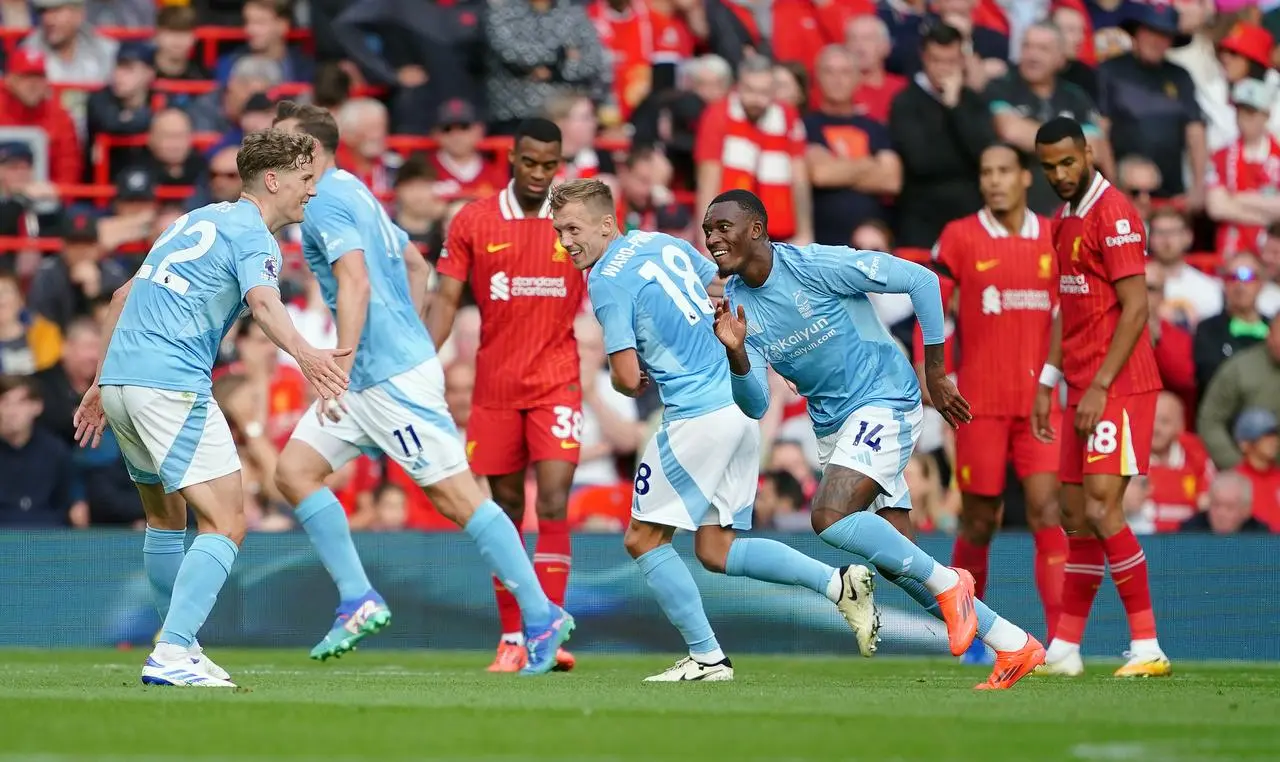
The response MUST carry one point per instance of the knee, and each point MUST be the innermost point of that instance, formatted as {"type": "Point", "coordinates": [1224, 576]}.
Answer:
{"type": "Point", "coordinates": [639, 541]}
{"type": "Point", "coordinates": [510, 499]}
{"type": "Point", "coordinates": [552, 503]}
{"type": "Point", "coordinates": [977, 526]}
{"type": "Point", "coordinates": [712, 553]}
{"type": "Point", "coordinates": [294, 482]}
{"type": "Point", "coordinates": [233, 527]}
{"type": "Point", "coordinates": [1046, 512]}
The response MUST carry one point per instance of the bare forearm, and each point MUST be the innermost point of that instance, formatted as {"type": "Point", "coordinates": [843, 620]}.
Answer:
{"type": "Point", "coordinates": [274, 319]}
{"type": "Point", "coordinates": [802, 195]}
{"type": "Point", "coordinates": [935, 360]}
{"type": "Point", "coordinates": [419, 272]}
{"type": "Point", "coordinates": [1197, 154]}
{"type": "Point", "coordinates": [113, 317]}
{"type": "Point", "coordinates": [1133, 318]}
{"type": "Point", "coordinates": [353, 311]}
{"type": "Point", "coordinates": [1264, 208]}
{"type": "Point", "coordinates": [1055, 342]}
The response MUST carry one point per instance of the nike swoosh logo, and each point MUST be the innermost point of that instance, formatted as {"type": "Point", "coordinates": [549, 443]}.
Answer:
{"type": "Point", "coordinates": [1095, 458]}
{"type": "Point", "coordinates": [986, 265]}
{"type": "Point", "coordinates": [569, 445]}
{"type": "Point", "coordinates": [496, 247]}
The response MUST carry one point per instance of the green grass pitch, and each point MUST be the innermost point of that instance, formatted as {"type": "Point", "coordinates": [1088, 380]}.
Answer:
{"type": "Point", "coordinates": [58, 706]}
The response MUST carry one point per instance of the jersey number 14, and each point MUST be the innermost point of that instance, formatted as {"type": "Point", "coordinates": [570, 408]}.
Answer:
{"type": "Point", "coordinates": [693, 300]}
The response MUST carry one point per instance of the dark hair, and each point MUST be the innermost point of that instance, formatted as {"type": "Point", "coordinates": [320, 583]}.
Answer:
{"type": "Point", "coordinates": [786, 486]}
{"type": "Point", "coordinates": [416, 167]}
{"type": "Point", "coordinates": [332, 86]}
{"type": "Point", "coordinates": [1024, 159]}
{"type": "Point", "coordinates": [1058, 129]}
{"type": "Point", "coordinates": [940, 34]}
{"type": "Point", "coordinates": [282, 8]}
{"type": "Point", "coordinates": [312, 120]}
{"type": "Point", "coordinates": [176, 18]}
{"type": "Point", "coordinates": [539, 129]}
{"type": "Point", "coordinates": [10, 383]}
{"type": "Point", "coordinates": [747, 202]}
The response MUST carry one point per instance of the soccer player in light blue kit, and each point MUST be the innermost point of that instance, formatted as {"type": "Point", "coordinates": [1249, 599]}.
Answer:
{"type": "Point", "coordinates": [699, 472]}
{"type": "Point", "coordinates": [374, 280]}
{"type": "Point", "coordinates": [805, 312]}
{"type": "Point", "coordinates": [155, 391]}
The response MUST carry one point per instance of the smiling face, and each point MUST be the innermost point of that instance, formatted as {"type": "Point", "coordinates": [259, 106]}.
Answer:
{"type": "Point", "coordinates": [730, 233]}
{"type": "Point", "coordinates": [584, 232]}
{"type": "Point", "coordinates": [295, 187]}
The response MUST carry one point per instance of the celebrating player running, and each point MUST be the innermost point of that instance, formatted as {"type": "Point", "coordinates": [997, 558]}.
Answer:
{"type": "Point", "coordinates": [805, 312]}
{"type": "Point", "coordinates": [1105, 355]}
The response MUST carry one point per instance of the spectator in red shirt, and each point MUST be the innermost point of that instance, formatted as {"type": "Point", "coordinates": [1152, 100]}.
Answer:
{"type": "Point", "coordinates": [1171, 342]}
{"type": "Point", "coordinates": [1180, 471]}
{"type": "Point", "coordinates": [1256, 435]}
{"type": "Point", "coordinates": [462, 171]}
{"type": "Point", "coordinates": [363, 151]}
{"type": "Point", "coordinates": [868, 38]}
{"type": "Point", "coordinates": [26, 101]}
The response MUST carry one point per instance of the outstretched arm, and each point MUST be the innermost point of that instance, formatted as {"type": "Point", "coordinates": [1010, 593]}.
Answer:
{"type": "Point", "coordinates": [319, 366]}
{"type": "Point", "coordinates": [847, 271]}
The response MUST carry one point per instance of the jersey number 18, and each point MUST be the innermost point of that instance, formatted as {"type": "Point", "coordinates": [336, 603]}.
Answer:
{"type": "Point", "coordinates": [677, 263]}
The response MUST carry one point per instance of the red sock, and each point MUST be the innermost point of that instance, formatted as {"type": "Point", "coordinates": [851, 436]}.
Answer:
{"type": "Point", "coordinates": [974, 559]}
{"type": "Point", "coordinates": [508, 609]}
{"type": "Point", "coordinates": [1082, 576]}
{"type": "Point", "coordinates": [1051, 559]}
{"type": "Point", "coordinates": [551, 558]}
{"type": "Point", "coordinates": [1129, 572]}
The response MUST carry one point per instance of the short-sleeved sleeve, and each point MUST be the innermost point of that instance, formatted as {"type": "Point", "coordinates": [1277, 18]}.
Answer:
{"type": "Point", "coordinates": [949, 251]}
{"type": "Point", "coordinates": [257, 263]}
{"type": "Point", "coordinates": [402, 237]}
{"type": "Point", "coordinates": [1120, 237]}
{"type": "Point", "coordinates": [813, 132]}
{"type": "Point", "coordinates": [335, 229]}
{"type": "Point", "coordinates": [615, 311]}
{"type": "Point", "coordinates": [455, 258]}
{"type": "Point", "coordinates": [841, 271]}
{"type": "Point", "coordinates": [711, 133]}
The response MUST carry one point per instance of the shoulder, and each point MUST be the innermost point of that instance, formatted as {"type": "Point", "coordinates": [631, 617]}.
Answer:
{"type": "Point", "coordinates": [1177, 72]}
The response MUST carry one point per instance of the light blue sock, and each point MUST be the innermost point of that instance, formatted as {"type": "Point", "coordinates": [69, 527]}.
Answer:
{"type": "Point", "coordinates": [204, 571]}
{"type": "Point", "coordinates": [870, 536]}
{"type": "Point", "coordinates": [321, 515]}
{"type": "Point", "coordinates": [678, 597]}
{"type": "Point", "coordinates": [162, 552]}
{"type": "Point", "coordinates": [921, 595]}
{"type": "Point", "coordinates": [772, 561]}
{"type": "Point", "coordinates": [499, 543]}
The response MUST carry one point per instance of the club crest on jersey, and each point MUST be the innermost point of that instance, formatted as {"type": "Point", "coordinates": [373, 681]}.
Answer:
{"type": "Point", "coordinates": [802, 304]}
{"type": "Point", "coordinates": [1046, 266]}
{"type": "Point", "coordinates": [561, 254]}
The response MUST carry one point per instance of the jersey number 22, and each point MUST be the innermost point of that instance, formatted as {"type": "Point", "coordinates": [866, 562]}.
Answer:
{"type": "Point", "coordinates": [677, 263]}
{"type": "Point", "coordinates": [206, 233]}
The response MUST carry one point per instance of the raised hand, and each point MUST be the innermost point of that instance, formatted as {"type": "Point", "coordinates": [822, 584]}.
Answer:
{"type": "Point", "coordinates": [731, 329]}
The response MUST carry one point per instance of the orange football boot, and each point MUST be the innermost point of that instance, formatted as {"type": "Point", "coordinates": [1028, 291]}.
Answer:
{"type": "Point", "coordinates": [564, 661]}
{"type": "Point", "coordinates": [956, 604]}
{"type": "Point", "coordinates": [510, 658]}
{"type": "Point", "coordinates": [1012, 666]}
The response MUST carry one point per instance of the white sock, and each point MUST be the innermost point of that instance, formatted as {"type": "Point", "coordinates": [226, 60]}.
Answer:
{"type": "Point", "coordinates": [941, 578]}
{"type": "Point", "coordinates": [835, 586]}
{"type": "Point", "coordinates": [1061, 649]}
{"type": "Point", "coordinates": [514, 638]}
{"type": "Point", "coordinates": [708, 658]}
{"type": "Point", "coordinates": [1005, 635]}
{"type": "Point", "coordinates": [1146, 648]}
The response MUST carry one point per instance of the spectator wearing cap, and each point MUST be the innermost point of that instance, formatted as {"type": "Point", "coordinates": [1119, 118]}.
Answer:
{"type": "Point", "coordinates": [124, 106]}
{"type": "Point", "coordinates": [850, 157]}
{"type": "Point", "coordinates": [1034, 93]}
{"type": "Point", "coordinates": [74, 52]}
{"type": "Point", "coordinates": [645, 200]}
{"type": "Point", "coordinates": [67, 286]}
{"type": "Point", "coordinates": [1244, 177]}
{"type": "Point", "coordinates": [867, 38]}
{"type": "Point", "coordinates": [35, 468]}
{"type": "Point", "coordinates": [221, 111]}
{"type": "Point", "coordinates": [363, 124]}
{"type": "Point", "coordinates": [28, 342]}
{"type": "Point", "coordinates": [266, 28]}
{"type": "Point", "coordinates": [1231, 508]}
{"type": "Point", "coordinates": [1249, 379]}
{"type": "Point", "coordinates": [461, 169]}
{"type": "Point", "coordinates": [27, 205]}
{"type": "Point", "coordinates": [27, 101]}
{"type": "Point", "coordinates": [1170, 341]}
{"type": "Point", "coordinates": [1256, 436]}
{"type": "Point", "coordinates": [1243, 52]}
{"type": "Point", "coordinates": [1149, 104]}
{"type": "Point", "coordinates": [1239, 326]}
{"type": "Point", "coordinates": [1190, 295]}
{"type": "Point", "coordinates": [176, 43]}
{"type": "Point", "coordinates": [171, 158]}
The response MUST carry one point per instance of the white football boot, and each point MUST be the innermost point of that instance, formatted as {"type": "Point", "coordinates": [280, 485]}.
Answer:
{"type": "Point", "coordinates": [857, 605]}
{"type": "Point", "coordinates": [175, 665]}
{"type": "Point", "coordinates": [688, 669]}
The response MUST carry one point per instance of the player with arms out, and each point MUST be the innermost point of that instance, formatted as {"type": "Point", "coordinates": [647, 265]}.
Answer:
{"type": "Point", "coordinates": [699, 472]}
{"type": "Point", "coordinates": [527, 404]}
{"type": "Point", "coordinates": [1112, 380]}
{"type": "Point", "coordinates": [373, 280]}
{"type": "Point", "coordinates": [805, 311]}
{"type": "Point", "coordinates": [155, 388]}
{"type": "Point", "coordinates": [1002, 261]}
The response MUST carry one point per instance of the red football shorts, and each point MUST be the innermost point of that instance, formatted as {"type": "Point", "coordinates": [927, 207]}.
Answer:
{"type": "Point", "coordinates": [985, 445]}
{"type": "Point", "coordinates": [1121, 442]}
{"type": "Point", "coordinates": [506, 441]}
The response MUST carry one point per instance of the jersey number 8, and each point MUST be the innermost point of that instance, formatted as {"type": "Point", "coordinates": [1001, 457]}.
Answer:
{"type": "Point", "coordinates": [677, 262]}
{"type": "Point", "coordinates": [206, 233]}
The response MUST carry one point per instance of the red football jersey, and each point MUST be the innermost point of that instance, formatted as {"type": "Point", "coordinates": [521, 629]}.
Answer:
{"type": "Point", "coordinates": [479, 179]}
{"type": "Point", "coordinates": [636, 39]}
{"type": "Point", "coordinates": [1098, 243]}
{"type": "Point", "coordinates": [528, 293]}
{"type": "Point", "coordinates": [1178, 481]}
{"type": "Point", "coordinates": [1006, 308]}
{"type": "Point", "coordinates": [1240, 168]}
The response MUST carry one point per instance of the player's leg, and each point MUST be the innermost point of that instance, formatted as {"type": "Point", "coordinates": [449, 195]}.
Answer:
{"type": "Point", "coordinates": [497, 450]}
{"type": "Point", "coordinates": [1123, 436]}
{"type": "Point", "coordinates": [982, 448]}
{"type": "Point", "coordinates": [552, 435]}
{"type": "Point", "coordinates": [1036, 464]}
{"type": "Point", "coordinates": [315, 451]}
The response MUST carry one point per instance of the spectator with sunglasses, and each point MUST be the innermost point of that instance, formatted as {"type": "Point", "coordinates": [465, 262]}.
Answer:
{"type": "Point", "coordinates": [1139, 180]}
{"type": "Point", "coordinates": [1239, 326]}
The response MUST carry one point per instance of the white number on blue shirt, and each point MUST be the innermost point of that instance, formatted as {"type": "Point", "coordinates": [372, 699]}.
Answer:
{"type": "Point", "coordinates": [677, 262]}
{"type": "Point", "coordinates": [385, 226]}
{"type": "Point", "coordinates": [206, 234]}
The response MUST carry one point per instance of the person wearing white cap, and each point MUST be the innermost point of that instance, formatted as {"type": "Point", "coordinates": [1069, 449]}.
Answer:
{"type": "Point", "coordinates": [1244, 177]}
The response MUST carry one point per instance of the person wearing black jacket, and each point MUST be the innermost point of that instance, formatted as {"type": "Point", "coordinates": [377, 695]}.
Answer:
{"type": "Point", "coordinates": [939, 128]}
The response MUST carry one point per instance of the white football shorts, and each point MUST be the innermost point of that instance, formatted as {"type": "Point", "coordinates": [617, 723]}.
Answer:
{"type": "Point", "coordinates": [700, 471]}
{"type": "Point", "coordinates": [877, 442]}
{"type": "Point", "coordinates": [174, 439]}
{"type": "Point", "coordinates": [405, 417]}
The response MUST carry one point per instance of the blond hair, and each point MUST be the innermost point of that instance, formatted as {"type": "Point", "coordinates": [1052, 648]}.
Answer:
{"type": "Point", "coordinates": [273, 151]}
{"type": "Point", "coordinates": [590, 192]}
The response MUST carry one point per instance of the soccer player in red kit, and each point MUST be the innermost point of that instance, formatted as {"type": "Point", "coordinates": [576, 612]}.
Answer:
{"type": "Point", "coordinates": [1002, 261]}
{"type": "Point", "coordinates": [527, 403]}
{"type": "Point", "coordinates": [1105, 355]}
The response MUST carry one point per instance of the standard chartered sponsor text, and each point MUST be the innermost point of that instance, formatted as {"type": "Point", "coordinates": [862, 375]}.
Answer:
{"type": "Point", "coordinates": [538, 286]}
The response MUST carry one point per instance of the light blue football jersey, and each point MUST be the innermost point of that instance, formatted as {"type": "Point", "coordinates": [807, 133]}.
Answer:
{"type": "Point", "coordinates": [345, 216]}
{"type": "Point", "coordinates": [649, 294]}
{"type": "Point", "coordinates": [812, 321]}
{"type": "Point", "coordinates": [187, 294]}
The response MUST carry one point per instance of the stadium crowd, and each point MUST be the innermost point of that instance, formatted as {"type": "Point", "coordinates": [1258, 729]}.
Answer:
{"type": "Point", "coordinates": [116, 116]}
